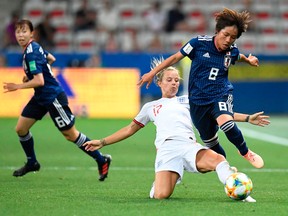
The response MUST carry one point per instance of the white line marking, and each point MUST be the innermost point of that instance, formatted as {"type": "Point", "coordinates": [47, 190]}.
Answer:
{"type": "Point", "coordinates": [268, 170]}
{"type": "Point", "coordinates": [265, 137]}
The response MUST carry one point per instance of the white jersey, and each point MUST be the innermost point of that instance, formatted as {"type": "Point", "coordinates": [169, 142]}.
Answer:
{"type": "Point", "coordinates": [171, 117]}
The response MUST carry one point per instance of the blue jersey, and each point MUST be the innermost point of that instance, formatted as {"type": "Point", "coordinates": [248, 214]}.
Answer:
{"type": "Point", "coordinates": [208, 79]}
{"type": "Point", "coordinates": [35, 62]}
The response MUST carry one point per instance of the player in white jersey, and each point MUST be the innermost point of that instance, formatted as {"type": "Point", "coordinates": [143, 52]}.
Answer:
{"type": "Point", "coordinates": [177, 148]}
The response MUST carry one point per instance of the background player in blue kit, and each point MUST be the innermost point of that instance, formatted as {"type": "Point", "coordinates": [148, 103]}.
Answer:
{"type": "Point", "coordinates": [50, 97]}
{"type": "Point", "coordinates": [210, 91]}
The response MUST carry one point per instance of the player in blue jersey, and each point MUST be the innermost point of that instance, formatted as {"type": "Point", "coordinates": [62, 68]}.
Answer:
{"type": "Point", "coordinates": [210, 91]}
{"type": "Point", "coordinates": [49, 97]}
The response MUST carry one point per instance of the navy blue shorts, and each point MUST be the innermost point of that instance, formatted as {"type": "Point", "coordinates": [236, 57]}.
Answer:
{"type": "Point", "coordinates": [59, 111]}
{"type": "Point", "coordinates": [204, 116]}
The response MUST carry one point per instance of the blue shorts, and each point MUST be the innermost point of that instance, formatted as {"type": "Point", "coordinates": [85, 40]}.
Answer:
{"type": "Point", "coordinates": [204, 117]}
{"type": "Point", "coordinates": [59, 111]}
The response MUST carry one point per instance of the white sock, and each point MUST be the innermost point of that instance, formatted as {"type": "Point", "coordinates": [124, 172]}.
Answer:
{"type": "Point", "coordinates": [151, 195]}
{"type": "Point", "coordinates": [223, 171]}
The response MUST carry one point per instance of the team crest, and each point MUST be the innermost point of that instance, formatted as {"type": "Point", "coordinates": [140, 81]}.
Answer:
{"type": "Point", "coordinates": [227, 59]}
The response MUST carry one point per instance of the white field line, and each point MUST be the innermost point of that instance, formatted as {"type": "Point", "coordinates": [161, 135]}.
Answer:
{"type": "Point", "coordinates": [265, 137]}
{"type": "Point", "coordinates": [137, 169]}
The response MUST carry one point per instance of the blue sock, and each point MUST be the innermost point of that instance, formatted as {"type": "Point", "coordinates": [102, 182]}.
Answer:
{"type": "Point", "coordinates": [82, 138]}
{"type": "Point", "coordinates": [235, 136]}
{"type": "Point", "coordinates": [218, 148]}
{"type": "Point", "coordinates": [27, 144]}
{"type": "Point", "coordinates": [215, 145]}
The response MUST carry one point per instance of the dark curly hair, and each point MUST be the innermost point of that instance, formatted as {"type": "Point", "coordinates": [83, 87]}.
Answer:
{"type": "Point", "coordinates": [230, 17]}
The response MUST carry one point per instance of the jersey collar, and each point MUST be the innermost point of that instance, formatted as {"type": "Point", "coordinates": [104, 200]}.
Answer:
{"type": "Point", "coordinates": [30, 41]}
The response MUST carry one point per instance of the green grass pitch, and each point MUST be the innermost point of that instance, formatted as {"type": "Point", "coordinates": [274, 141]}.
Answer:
{"type": "Point", "coordinates": [67, 183]}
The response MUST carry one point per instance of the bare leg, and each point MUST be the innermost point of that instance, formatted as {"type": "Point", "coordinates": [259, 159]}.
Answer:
{"type": "Point", "coordinates": [164, 185]}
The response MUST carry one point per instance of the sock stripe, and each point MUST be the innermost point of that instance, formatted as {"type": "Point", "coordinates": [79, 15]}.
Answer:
{"type": "Point", "coordinates": [227, 126]}
{"type": "Point", "coordinates": [211, 142]}
{"type": "Point", "coordinates": [80, 140]}
{"type": "Point", "coordinates": [26, 137]}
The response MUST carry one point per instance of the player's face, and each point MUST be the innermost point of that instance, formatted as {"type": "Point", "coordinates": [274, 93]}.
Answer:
{"type": "Point", "coordinates": [226, 37]}
{"type": "Point", "coordinates": [23, 35]}
{"type": "Point", "coordinates": [170, 83]}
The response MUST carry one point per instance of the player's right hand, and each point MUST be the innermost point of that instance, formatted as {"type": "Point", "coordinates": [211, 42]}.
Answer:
{"type": "Point", "coordinates": [92, 145]}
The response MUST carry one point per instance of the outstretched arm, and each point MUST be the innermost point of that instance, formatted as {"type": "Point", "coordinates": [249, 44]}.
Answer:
{"type": "Point", "coordinates": [37, 81]}
{"type": "Point", "coordinates": [121, 134]}
{"type": "Point", "coordinates": [148, 77]}
{"type": "Point", "coordinates": [252, 60]}
{"type": "Point", "coordinates": [256, 118]}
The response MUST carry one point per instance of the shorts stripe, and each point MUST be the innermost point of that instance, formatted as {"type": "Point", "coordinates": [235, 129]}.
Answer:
{"type": "Point", "coordinates": [230, 103]}
{"type": "Point", "coordinates": [61, 111]}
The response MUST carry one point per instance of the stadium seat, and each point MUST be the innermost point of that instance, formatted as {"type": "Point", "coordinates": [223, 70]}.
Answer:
{"type": "Point", "coordinates": [195, 17]}
{"type": "Point", "coordinates": [63, 25]}
{"type": "Point", "coordinates": [175, 41]}
{"type": "Point", "coordinates": [264, 11]}
{"type": "Point", "coordinates": [269, 26]}
{"type": "Point", "coordinates": [63, 42]}
{"type": "Point", "coordinates": [34, 11]}
{"type": "Point", "coordinates": [283, 11]}
{"type": "Point", "coordinates": [283, 26]}
{"type": "Point", "coordinates": [57, 9]}
{"type": "Point", "coordinates": [130, 18]}
{"type": "Point", "coordinates": [248, 43]}
{"type": "Point", "coordinates": [85, 41]}
{"type": "Point", "coordinates": [271, 44]}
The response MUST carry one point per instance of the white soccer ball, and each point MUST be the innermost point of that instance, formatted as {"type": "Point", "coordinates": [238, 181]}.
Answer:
{"type": "Point", "coordinates": [238, 186]}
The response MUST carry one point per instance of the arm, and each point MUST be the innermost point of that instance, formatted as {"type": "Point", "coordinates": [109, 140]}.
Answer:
{"type": "Point", "coordinates": [37, 81]}
{"type": "Point", "coordinates": [50, 58]}
{"type": "Point", "coordinates": [121, 134]}
{"type": "Point", "coordinates": [256, 118]}
{"type": "Point", "coordinates": [148, 77]}
{"type": "Point", "coordinates": [252, 60]}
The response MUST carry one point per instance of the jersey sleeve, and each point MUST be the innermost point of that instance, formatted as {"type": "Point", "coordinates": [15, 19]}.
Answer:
{"type": "Point", "coordinates": [143, 117]}
{"type": "Point", "coordinates": [35, 60]}
{"type": "Point", "coordinates": [235, 55]}
{"type": "Point", "coordinates": [188, 48]}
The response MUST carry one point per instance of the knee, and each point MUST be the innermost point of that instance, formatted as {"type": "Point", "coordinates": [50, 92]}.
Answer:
{"type": "Point", "coordinates": [70, 135]}
{"type": "Point", "coordinates": [219, 158]}
{"type": "Point", "coordinates": [162, 194]}
{"type": "Point", "coordinates": [213, 160]}
{"type": "Point", "coordinates": [216, 160]}
{"type": "Point", "coordinates": [21, 131]}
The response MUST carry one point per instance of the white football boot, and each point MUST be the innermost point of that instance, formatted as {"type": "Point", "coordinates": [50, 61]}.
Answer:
{"type": "Point", "coordinates": [249, 199]}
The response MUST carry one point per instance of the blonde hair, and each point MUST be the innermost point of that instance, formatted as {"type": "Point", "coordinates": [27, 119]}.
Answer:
{"type": "Point", "coordinates": [159, 76]}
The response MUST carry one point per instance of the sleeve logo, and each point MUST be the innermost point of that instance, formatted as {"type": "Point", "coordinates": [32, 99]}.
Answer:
{"type": "Point", "coordinates": [32, 65]}
{"type": "Point", "coordinates": [187, 48]}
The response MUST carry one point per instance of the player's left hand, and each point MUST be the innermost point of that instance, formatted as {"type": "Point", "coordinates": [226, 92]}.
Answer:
{"type": "Point", "coordinates": [25, 79]}
{"type": "Point", "coordinates": [259, 119]}
{"type": "Point", "coordinates": [253, 60]}
{"type": "Point", "coordinates": [9, 87]}
{"type": "Point", "coordinates": [146, 78]}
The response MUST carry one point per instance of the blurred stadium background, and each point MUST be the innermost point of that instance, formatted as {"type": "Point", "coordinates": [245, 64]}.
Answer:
{"type": "Point", "coordinates": [264, 88]}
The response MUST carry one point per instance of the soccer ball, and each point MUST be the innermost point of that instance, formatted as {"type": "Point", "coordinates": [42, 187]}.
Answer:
{"type": "Point", "coordinates": [238, 186]}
